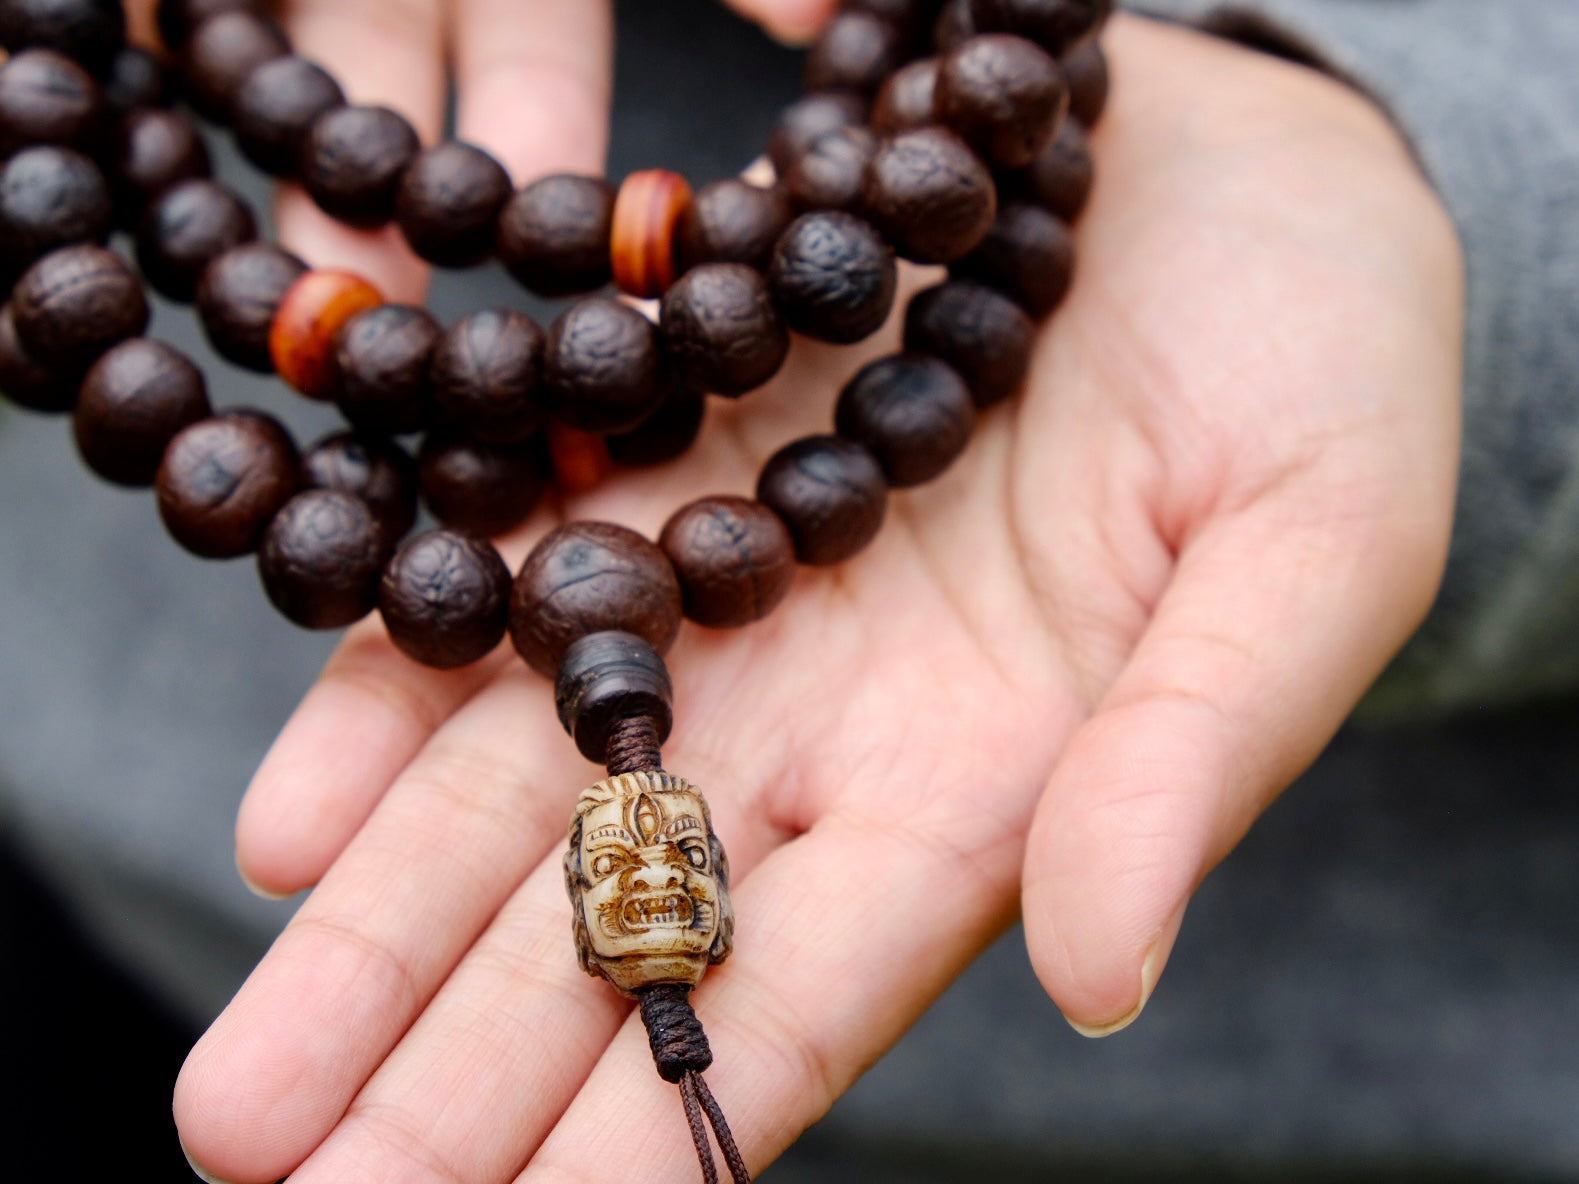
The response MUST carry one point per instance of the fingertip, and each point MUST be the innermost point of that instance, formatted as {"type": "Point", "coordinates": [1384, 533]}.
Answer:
{"type": "Point", "coordinates": [794, 23]}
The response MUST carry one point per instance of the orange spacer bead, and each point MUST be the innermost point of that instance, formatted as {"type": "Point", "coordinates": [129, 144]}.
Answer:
{"type": "Point", "coordinates": [580, 459]}
{"type": "Point", "coordinates": [641, 237]}
{"type": "Point", "coordinates": [301, 338]}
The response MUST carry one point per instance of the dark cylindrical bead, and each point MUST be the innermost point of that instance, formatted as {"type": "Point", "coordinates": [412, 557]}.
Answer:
{"type": "Point", "coordinates": [74, 303]}
{"type": "Point", "coordinates": [1085, 69]}
{"type": "Point", "coordinates": [829, 175]}
{"type": "Point", "coordinates": [984, 336]}
{"type": "Point", "coordinates": [177, 18]}
{"type": "Point", "coordinates": [479, 488]}
{"type": "Point", "coordinates": [448, 201]}
{"type": "Point", "coordinates": [1003, 96]}
{"type": "Point", "coordinates": [222, 480]}
{"type": "Point", "coordinates": [186, 228]}
{"type": "Point", "coordinates": [906, 100]}
{"type": "Point", "coordinates": [132, 403]}
{"type": "Point", "coordinates": [1055, 25]}
{"type": "Point", "coordinates": [87, 31]}
{"type": "Point", "coordinates": [734, 558]}
{"type": "Point", "coordinates": [136, 80]}
{"type": "Point", "coordinates": [153, 150]}
{"type": "Point", "coordinates": [1060, 178]}
{"type": "Point", "coordinates": [930, 195]}
{"type": "Point", "coordinates": [586, 577]}
{"type": "Point", "coordinates": [607, 677]}
{"type": "Point", "coordinates": [49, 198]}
{"type": "Point", "coordinates": [553, 235]}
{"type": "Point", "coordinates": [486, 373]}
{"type": "Point", "coordinates": [730, 221]}
{"type": "Point", "coordinates": [274, 108]}
{"type": "Point", "coordinates": [28, 382]}
{"type": "Point", "coordinates": [221, 52]}
{"type": "Point", "coordinates": [372, 468]}
{"type": "Point", "coordinates": [666, 433]}
{"type": "Point", "coordinates": [805, 119]}
{"type": "Point", "coordinates": [445, 599]}
{"type": "Point", "coordinates": [46, 98]}
{"type": "Point", "coordinates": [352, 162]}
{"type": "Point", "coordinates": [911, 411]}
{"type": "Point", "coordinates": [829, 492]}
{"type": "Point", "coordinates": [833, 277]}
{"type": "Point", "coordinates": [721, 332]}
{"type": "Point", "coordinates": [381, 360]}
{"type": "Point", "coordinates": [855, 51]}
{"type": "Point", "coordinates": [674, 1034]}
{"type": "Point", "coordinates": [321, 558]}
{"type": "Point", "coordinates": [238, 296]}
{"type": "Point", "coordinates": [1028, 255]}
{"type": "Point", "coordinates": [602, 366]}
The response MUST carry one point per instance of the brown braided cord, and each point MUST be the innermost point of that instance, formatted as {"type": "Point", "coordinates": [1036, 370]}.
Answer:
{"type": "Point", "coordinates": [634, 747]}
{"type": "Point", "coordinates": [726, 1141]}
{"type": "Point", "coordinates": [693, 1116]}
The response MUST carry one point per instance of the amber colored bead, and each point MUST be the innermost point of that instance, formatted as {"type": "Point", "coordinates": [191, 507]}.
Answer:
{"type": "Point", "coordinates": [911, 411]}
{"type": "Point", "coordinates": [28, 382]}
{"type": "Point", "coordinates": [448, 201]}
{"type": "Point", "coordinates": [238, 296]}
{"type": "Point", "coordinates": [663, 435]}
{"type": "Point", "coordinates": [275, 106]}
{"type": "Point", "coordinates": [829, 492]}
{"type": "Point", "coordinates": [906, 99]}
{"type": "Point", "coordinates": [152, 151]}
{"type": "Point", "coordinates": [186, 228]}
{"type": "Point", "coordinates": [445, 599]}
{"type": "Point", "coordinates": [320, 559]}
{"type": "Point", "coordinates": [301, 339]}
{"type": "Point", "coordinates": [136, 81]}
{"type": "Point", "coordinates": [479, 488]}
{"type": "Point", "coordinates": [983, 335]}
{"type": "Point", "coordinates": [927, 192]}
{"type": "Point", "coordinates": [580, 460]}
{"type": "Point", "coordinates": [87, 31]}
{"type": "Point", "coordinates": [804, 120]}
{"type": "Point", "coordinates": [1055, 25]}
{"type": "Point", "coordinates": [721, 332]}
{"type": "Point", "coordinates": [553, 235]}
{"type": "Point", "coordinates": [730, 221]}
{"type": "Point", "coordinates": [378, 471]}
{"type": "Point", "coordinates": [855, 51]}
{"type": "Point", "coordinates": [1003, 96]}
{"type": "Point", "coordinates": [1060, 178]}
{"type": "Point", "coordinates": [734, 558]}
{"type": "Point", "coordinates": [486, 372]}
{"type": "Point", "coordinates": [829, 175]}
{"type": "Point", "coordinates": [222, 480]}
{"type": "Point", "coordinates": [74, 303]}
{"type": "Point", "coordinates": [1028, 255]}
{"type": "Point", "coordinates": [131, 404]}
{"type": "Point", "coordinates": [641, 236]}
{"type": "Point", "coordinates": [49, 198]}
{"type": "Point", "coordinates": [833, 277]}
{"type": "Point", "coordinates": [602, 365]}
{"type": "Point", "coordinates": [1085, 69]}
{"type": "Point", "coordinates": [46, 98]}
{"type": "Point", "coordinates": [587, 577]}
{"type": "Point", "coordinates": [381, 360]}
{"type": "Point", "coordinates": [221, 52]}
{"type": "Point", "coordinates": [177, 18]}
{"type": "Point", "coordinates": [352, 161]}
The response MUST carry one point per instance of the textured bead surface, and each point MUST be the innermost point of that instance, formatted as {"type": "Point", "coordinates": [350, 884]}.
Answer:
{"type": "Point", "coordinates": [238, 296]}
{"type": "Point", "coordinates": [666, 433]}
{"type": "Point", "coordinates": [152, 151]}
{"type": "Point", "coordinates": [46, 98]}
{"type": "Point", "coordinates": [833, 277]}
{"type": "Point", "coordinates": [381, 361]}
{"type": "Point", "coordinates": [1060, 178]}
{"type": "Point", "coordinates": [445, 599]}
{"type": "Point", "coordinates": [1003, 95]}
{"type": "Point", "coordinates": [601, 368]}
{"type": "Point", "coordinates": [448, 201]}
{"type": "Point", "coordinates": [186, 228]}
{"type": "Point", "coordinates": [87, 31]}
{"type": "Point", "coordinates": [641, 235]}
{"type": "Point", "coordinates": [829, 175]}
{"type": "Point", "coordinates": [983, 335]}
{"type": "Point", "coordinates": [1055, 25]}
{"type": "Point", "coordinates": [274, 108]}
{"type": "Point", "coordinates": [606, 677]}
{"type": "Point", "coordinates": [829, 492]}
{"type": "Point", "coordinates": [74, 303]}
{"type": "Point", "coordinates": [855, 51]}
{"type": "Point", "coordinates": [805, 119]}
{"type": "Point", "coordinates": [219, 54]}
{"type": "Point", "coordinates": [352, 161]}
{"type": "Point", "coordinates": [222, 480]}
{"type": "Point", "coordinates": [1085, 69]}
{"type": "Point", "coordinates": [906, 100]}
{"type": "Point", "coordinates": [49, 198]}
{"type": "Point", "coordinates": [482, 489]}
{"type": "Point", "coordinates": [301, 339]}
{"type": "Point", "coordinates": [721, 332]}
{"type": "Point", "coordinates": [929, 194]}
{"type": "Point", "coordinates": [131, 404]}
{"type": "Point", "coordinates": [586, 577]}
{"type": "Point", "coordinates": [372, 468]}
{"type": "Point", "coordinates": [486, 374]}
{"type": "Point", "coordinates": [730, 221]}
{"type": "Point", "coordinates": [177, 18]}
{"type": "Point", "coordinates": [1028, 255]}
{"type": "Point", "coordinates": [911, 411]}
{"type": "Point", "coordinates": [320, 559]}
{"type": "Point", "coordinates": [734, 558]}
{"type": "Point", "coordinates": [28, 382]}
{"type": "Point", "coordinates": [553, 235]}
{"type": "Point", "coordinates": [136, 79]}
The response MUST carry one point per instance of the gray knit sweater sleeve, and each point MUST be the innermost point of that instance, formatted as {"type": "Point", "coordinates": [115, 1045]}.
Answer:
{"type": "Point", "coordinates": [1488, 94]}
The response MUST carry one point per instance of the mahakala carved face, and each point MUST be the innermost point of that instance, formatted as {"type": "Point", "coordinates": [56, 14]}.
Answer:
{"type": "Point", "coordinates": [648, 882]}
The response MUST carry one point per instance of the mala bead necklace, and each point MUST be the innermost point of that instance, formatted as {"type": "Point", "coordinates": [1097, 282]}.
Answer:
{"type": "Point", "coordinates": [941, 132]}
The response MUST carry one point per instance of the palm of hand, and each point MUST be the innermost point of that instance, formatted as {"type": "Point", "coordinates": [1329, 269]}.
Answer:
{"type": "Point", "coordinates": [1094, 649]}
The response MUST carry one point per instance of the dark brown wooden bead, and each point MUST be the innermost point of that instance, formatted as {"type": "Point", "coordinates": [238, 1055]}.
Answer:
{"type": "Point", "coordinates": [49, 198]}
{"type": "Point", "coordinates": [912, 20]}
{"type": "Point", "coordinates": [587, 577]}
{"type": "Point", "coordinates": [829, 175]}
{"type": "Point", "coordinates": [310, 315]}
{"type": "Point", "coordinates": [221, 52]}
{"type": "Point", "coordinates": [1028, 255]}
{"type": "Point", "coordinates": [730, 221]}
{"type": "Point", "coordinates": [237, 299]}
{"type": "Point", "coordinates": [152, 151]}
{"type": "Point", "coordinates": [829, 492]}
{"type": "Point", "coordinates": [87, 31]}
{"type": "Point", "coordinates": [666, 433]}
{"type": "Point", "coordinates": [28, 382]}
{"type": "Point", "coordinates": [136, 80]}
{"type": "Point", "coordinates": [352, 162]}
{"type": "Point", "coordinates": [833, 277]}
{"type": "Point", "coordinates": [186, 228]}
{"type": "Point", "coordinates": [954, 26]}
{"type": "Point", "coordinates": [721, 332]}
{"type": "Point", "coordinates": [606, 678]}
{"type": "Point", "coordinates": [983, 335]}
{"type": "Point", "coordinates": [927, 192]}
{"type": "Point", "coordinates": [177, 18]}
{"type": "Point", "coordinates": [222, 480]}
{"type": "Point", "coordinates": [74, 303]}
{"type": "Point", "coordinates": [381, 358]}
{"type": "Point", "coordinates": [553, 235]}
{"type": "Point", "coordinates": [855, 51]}
{"type": "Point", "coordinates": [448, 203]}
{"type": "Point", "coordinates": [734, 558]}
{"type": "Point", "coordinates": [373, 468]}
{"type": "Point", "coordinates": [601, 368]}
{"type": "Point", "coordinates": [1055, 25]}
{"type": "Point", "coordinates": [46, 98]}
{"type": "Point", "coordinates": [321, 558]}
{"type": "Point", "coordinates": [906, 100]}
{"type": "Point", "coordinates": [805, 119]}
{"type": "Point", "coordinates": [445, 599]}
{"type": "Point", "coordinates": [132, 403]}
{"type": "Point", "coordinates": [1060, 178]}
{"type": "Point", "coordinates": [911, 411]}
{"type": "Point", "coordinates": [479, 488]}
{"type": "Point", "coordinates": [1085, 69]}
{"type": "Point", "coordinates": [486, 374]}
{"type": "Point", "coordinates": [1003, 95]}
{"type": "Point", "coordinates": [275, 106]}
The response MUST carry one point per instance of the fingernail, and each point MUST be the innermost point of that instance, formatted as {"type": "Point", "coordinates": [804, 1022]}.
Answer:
{"type": "Point", "coordinates": [257, 890]}
{"type": "Point", "coordinates": [199, 1172]}
{"type": "Point", "coordinates": [1150, 971]}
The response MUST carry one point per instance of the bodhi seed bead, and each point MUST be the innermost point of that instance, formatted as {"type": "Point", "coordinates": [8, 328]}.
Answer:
{"type": "Point", "coordinates": [983, 335]}
{"type": "Point", "coordinates": [829, 174]}
{"type": "Point", "coordinates": [274, 108]}
{"type": "Point", "coordinates": [448, 201]}
{"type": "Point", "coordinates": [601, 367]}
{"type": "Point", "coordinates": [1060, 178]}
{"type": "Point", "coordinates": [87, 31]}
{"type": "Point", "coordinates": [855, 51]}
{"type": "Point", "coordinates": [833, 277]}
{"type": "Point", "coordinates": [222, 480]}
{"type": "Point", "coordinates": [136, 80]}
{"type": "Point", "coordinates": [929, 195]}
{"type": "Point", "coordinates": [1085, 69]}
{"type": "Point", "coordinates": [185, 229]}
{"type": "Point", "coordinates": [641, 234]}
{"type": "Point", "coordinates": [608, 677]}
{"type": "Point", "coordinates": [730, 221]}
{"type": "Point", "coordinates": [954, 26]}
{"type": "Point", "coordinates": [1055, 25]}
{"type": "Point", "coordinates": [911, 411]}
{"type": "Point", "coordinates": [177, 18]}
{"type": "Point", "coordinates": [734, 558]}
{"type": "Point", "coordinates": [663, 435]}
{"type": "Point", "coordinates": [237, 299]}
{"type": "Point", "coordinates": [381, 361]}
{"type": "Point", "coordinates": [479, 488]}
{"type": "Point", "coordinates": [553, 235]}
{"type": "Point", "coordinates": [49, 198]}
{"type": "Point", "coordinates": [221, 52]}
{"type": "Point", "coordinates": [131, 404]}
{"type": "Point", "coordinates": [445, 599]}
{"type": "Point", "coordinates": [829, 492]}
{"type": "Point", "coordinates": [803, 121]}
{"type": "Point", "coordinates": [906, 100]}
{"type": "Point", "coordinates": [376, 470]}
{"type": "Point", "coordinates": [26, 381]}
{"type": "Point", "coordinates": [152, 151]}
{"type": "Point", "coordinates": [721, 332]}
{"type": "Point", "coordinates": [301, 338]}
{"type": "Point", "coordinates": [320, 559]}
{"type": "Point", "coordinates": [46, 98]}
{"type": "Point", "coordinates": [486, 372]}
{"type": "Point", "coordinates": [1003, 96]}
{"type": "Point", "coordinates": [1028, 255]}
{"type": "Point", "coordinates": [352, 161]}
{"type": "Point", "coordinates": [74, 303]}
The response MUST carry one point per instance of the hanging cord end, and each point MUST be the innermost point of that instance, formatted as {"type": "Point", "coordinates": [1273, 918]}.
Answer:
{"type": "Point", "coordinates": [681, 1052]}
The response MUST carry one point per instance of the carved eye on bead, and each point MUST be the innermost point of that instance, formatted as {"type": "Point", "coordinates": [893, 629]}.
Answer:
{"type": "Point", "coordinates": [301, 339]}
{"type": "Point", "coordinates": [641, 242]}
